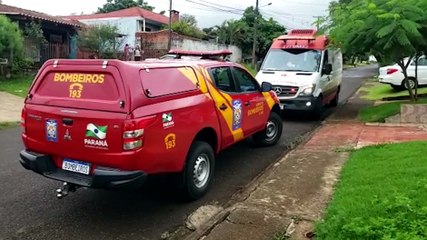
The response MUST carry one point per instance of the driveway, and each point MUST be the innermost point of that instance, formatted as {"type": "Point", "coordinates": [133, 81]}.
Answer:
{"type": "Point", "coordinates": [10, 107]}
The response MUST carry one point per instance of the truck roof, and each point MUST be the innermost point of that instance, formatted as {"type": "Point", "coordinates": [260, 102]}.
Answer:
{"type": "Point", "coordinates": [121, 79]}
{"type": "Point", "coordinates": [154, 63]}
{"type": "Point", "coordinates": [301, 39]}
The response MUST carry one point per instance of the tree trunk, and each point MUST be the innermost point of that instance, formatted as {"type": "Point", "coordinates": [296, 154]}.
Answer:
{"type": "Point", "coordinates": [416, 77]}
{"type": "Point", "coordinates": [405, 74]}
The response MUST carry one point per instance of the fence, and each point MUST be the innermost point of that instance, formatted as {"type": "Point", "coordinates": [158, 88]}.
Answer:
{"type": "Point", "coordinates": [39, 54]}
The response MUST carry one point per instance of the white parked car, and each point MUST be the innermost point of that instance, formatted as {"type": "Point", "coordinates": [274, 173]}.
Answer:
{"type": "Point", "coordinates": [393, 74]}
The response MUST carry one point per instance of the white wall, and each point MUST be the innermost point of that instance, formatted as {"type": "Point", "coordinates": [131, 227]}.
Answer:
{"type": "Point", "coordinates": [196, 45]}
{"type": "Point", "coordinates": [127, 26]}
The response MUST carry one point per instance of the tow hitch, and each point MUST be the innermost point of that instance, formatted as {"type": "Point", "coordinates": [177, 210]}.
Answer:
{"type": "Point", "coordinates": [65, 189]}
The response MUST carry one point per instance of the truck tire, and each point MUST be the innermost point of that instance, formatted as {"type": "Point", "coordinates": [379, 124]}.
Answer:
{"type": "Point", "coordinates": [199, 169]}
{"type": "Point", "coordinates": [272, 132]}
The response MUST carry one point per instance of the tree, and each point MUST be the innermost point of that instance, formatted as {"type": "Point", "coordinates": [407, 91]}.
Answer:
{"type": "Point", "coordinates": [114, 5]}
{"type": "Point", "coordinates": [11, 40]}
{"type": "Point", "coordinates": [189, 19]}
{"type": "Point", "coordinates": [240, 32]}
{"type": "Point", "coordinates": [34, 31]}
{"type": "Point", "coordinates": [187, 25]}
{"type": "Point", "coordinates": [104, 40]}
{"type": "Point", "coordinates": [392, 30]}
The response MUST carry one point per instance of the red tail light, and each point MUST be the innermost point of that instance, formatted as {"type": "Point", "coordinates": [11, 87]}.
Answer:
{"type": "Point", "coordinates": [133, 132]}
{"type": "Point", "coordinates": [23, 120]}
{"type": "Point", "coordinates": [391, 71]}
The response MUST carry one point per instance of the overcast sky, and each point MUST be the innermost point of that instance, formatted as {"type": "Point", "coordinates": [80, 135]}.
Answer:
{"type": "Point", "coordinates": [290, 13]}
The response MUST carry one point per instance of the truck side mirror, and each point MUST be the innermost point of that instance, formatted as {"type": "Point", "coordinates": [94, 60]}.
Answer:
{"type": "Point", "coordinates": [327, 69]}
{"type": "Point", "coordinates": [266, 87]}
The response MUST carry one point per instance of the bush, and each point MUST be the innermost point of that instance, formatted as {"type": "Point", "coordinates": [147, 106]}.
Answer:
{"type": "Point", "coordinates": [21, 65]}
{"type": "Point", "coordinates": [11, 40]}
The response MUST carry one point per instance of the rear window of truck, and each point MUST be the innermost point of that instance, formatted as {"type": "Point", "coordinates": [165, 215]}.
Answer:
{"type": "Point", "coordinates": [74, 85]}
{"type": "Point", "coordinates": [166, 81]}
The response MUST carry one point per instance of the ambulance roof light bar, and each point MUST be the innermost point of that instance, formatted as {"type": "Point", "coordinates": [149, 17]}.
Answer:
{"type": "Point", "coordinates": [219, 53]}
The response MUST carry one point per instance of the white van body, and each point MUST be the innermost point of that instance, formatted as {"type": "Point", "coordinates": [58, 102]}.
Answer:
{"type": "Point", "coordinates": [300, 75]}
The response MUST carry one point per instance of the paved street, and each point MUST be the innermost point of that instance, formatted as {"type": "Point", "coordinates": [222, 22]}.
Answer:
{"type": "Point", "coordinates": [30, 210]}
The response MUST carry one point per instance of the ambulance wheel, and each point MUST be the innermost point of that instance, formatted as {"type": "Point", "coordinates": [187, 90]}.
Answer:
{"type": "Point", "coordinates": [272, 132]}
{"type": "Point", "coordinates": [334, 102]}
{"type": "Point", "coordinates": [316, 113]}
{"type": "Point", "coordinates": [199, 170]}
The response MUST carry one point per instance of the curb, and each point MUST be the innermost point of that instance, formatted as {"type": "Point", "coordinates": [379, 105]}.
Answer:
{"type": "Point", "coordinates": [254, 183]}
{"type": "Point", "coordinates": [248, 189]}
{"type": "Point", "coordinates": [420, 125]}
{"type": "Point", "coordinates": [209, 225]}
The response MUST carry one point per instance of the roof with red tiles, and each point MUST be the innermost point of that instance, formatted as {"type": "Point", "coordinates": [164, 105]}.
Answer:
{"type": "Point", "coordinates": [11, 10]}
{"type": "Point", "coordinates": [129, 12]}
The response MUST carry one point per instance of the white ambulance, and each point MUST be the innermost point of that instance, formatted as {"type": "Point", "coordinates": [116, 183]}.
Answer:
{"type": "Point", "coordinates": [305, 71]}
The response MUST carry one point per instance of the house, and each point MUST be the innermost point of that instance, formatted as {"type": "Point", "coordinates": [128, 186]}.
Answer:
{"type": "Point", "coordinates": [129, 21]}
{"type": "Point", "coordinates": [59, 33]}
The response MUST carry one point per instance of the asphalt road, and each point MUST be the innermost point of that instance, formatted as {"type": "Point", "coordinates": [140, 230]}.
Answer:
{"type": "Point", "coordinates": [30, 210]}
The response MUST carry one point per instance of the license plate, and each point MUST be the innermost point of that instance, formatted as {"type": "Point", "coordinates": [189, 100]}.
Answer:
{"type": "Point", "coordinates": [76, 166]}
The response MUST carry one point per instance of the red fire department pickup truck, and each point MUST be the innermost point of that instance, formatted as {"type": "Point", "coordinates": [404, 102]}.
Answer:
{"type": "Point", "coordinates": [110, 124]}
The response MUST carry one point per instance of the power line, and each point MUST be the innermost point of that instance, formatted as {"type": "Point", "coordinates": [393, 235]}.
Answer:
{"type": "Point", "coordinates": [221, 6]}
{"type": "Point", "coordinates": [290, 24]}
{"type": "Point", "coordinates": [217, 8]}
{"type": "Point", "coordinates": [194, 7]}
{"type": "Point", "coordinates": [289, 16]}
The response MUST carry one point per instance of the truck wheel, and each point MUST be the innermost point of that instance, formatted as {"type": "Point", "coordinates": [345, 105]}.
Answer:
{"type": "Point", "coordinates": [272, 132]}
{"type": "Point", "coordinates": [199, 170]}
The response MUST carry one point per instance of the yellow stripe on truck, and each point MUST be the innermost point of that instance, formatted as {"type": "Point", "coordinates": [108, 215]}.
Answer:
{"type": "Point", "coordinates": [191, 75]}
{"type": "Point", "coordinates": [227, 114]}
{"type": "Point", "coordinates": [269, 99]}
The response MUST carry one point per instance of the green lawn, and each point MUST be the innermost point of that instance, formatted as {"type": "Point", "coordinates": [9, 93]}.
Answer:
{"type": "Point", "coordinates": [17, 86]}
{"type": "Point", "coordinates": [4, 125]}
{"type": "Point", "coordinates": [381, 112]}
{"type": "Point", "coordinates": [382, 194]}
{"type": "Point", "coordinates": [378, 91]}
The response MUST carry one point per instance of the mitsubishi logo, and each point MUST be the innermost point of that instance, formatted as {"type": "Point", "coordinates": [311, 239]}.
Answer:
{"type": "Point", "coordinates": [278, 90]}
{"type": "Point", "coordinates": [67, 135]}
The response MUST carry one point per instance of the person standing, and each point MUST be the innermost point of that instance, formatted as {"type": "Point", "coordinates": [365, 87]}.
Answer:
{"type": "Point", "coordinates": [137, 53]}
{"type": "Point", "coordinates": [126, 53]}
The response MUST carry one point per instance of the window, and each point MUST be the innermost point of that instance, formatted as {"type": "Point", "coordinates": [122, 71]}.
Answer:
{"type": "Point", "coordinates": [422, 62]}
{"type": "Point", "coordinates": [245, 81]}
{"type": "Point", "coordinates": [297, 60]}
{"type": "Point", "coordinates": [165, 81]}
{"type": "Point", "coordinates": [223, 79]}
{"type": "Point", "coordinates": [326, 58]}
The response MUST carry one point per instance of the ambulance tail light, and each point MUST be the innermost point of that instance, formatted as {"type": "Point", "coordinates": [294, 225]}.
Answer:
{"type": "Point", "coordinates": [391, 71]}
{"type": "Point", "coordinates": [133, 132]}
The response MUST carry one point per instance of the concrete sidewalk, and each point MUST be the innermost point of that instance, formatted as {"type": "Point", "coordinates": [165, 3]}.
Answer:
{"type": "Point", "coordinates": [10, 107]}
{"type": "Point", "coordinates": [293, 194]}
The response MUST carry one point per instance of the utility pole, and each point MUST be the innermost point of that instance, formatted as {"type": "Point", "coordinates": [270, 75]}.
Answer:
{"type": "Point", "coordinates": [254, 60]}
{"type": "Point", "coordinates": [318, 22]}
{"type": "Point", "coordinates": [170, 25]}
